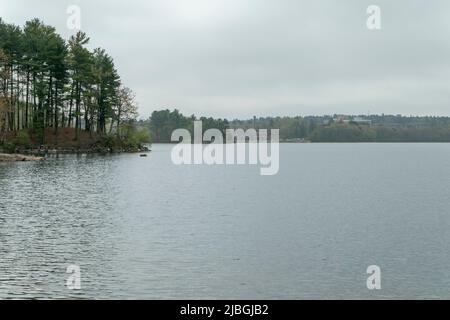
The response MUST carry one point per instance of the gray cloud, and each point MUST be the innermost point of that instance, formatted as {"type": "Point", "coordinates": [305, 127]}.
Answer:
{"type": "Point", "coordinates": [238, 58]}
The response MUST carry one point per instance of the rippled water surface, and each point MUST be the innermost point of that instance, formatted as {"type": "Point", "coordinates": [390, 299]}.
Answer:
{"type": "Point", "coordinates": [145, 228]}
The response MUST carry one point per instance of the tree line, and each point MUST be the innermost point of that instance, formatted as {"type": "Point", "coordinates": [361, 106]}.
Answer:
{"type": "Point", "coordinates": [344, 128]}
{"type": "Point", "coordinates": [163, 122]}
{"type": "Point", "coordinates": [48, 82]}
{"type": "Point", "coordinates": [327, 128]}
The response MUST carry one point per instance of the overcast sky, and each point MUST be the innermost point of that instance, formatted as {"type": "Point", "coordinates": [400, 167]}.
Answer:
{"type": "Point", "coordinates": [239, 58]}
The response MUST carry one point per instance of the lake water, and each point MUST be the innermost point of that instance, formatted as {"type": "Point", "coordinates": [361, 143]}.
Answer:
{"type": "Point", "coordinates": [145, 228]}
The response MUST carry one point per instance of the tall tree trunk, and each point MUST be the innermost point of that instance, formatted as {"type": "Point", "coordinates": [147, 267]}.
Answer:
{"type": "Point", "coordinates": [55, 121]}
{"type": "Point", "coordinates": [34, 100]}
{"type": "Point", "coordinates": [118, 121]}
{"type": "Point", "coordinates": [71, 104]}
{"type": "Point", "coordinates": [17, 100]}
{"type": "Point", "coordinates": [49, 109]}
{"type": "Point", "coordinates": [77, 112]}
{"type": "Point", "coordinates": [11, 101]}
{"type": "Point", "coordinates": [27, 97]}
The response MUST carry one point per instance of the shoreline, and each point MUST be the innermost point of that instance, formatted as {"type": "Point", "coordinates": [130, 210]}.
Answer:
{"type": "Point", "coordinates": [39, 155]}
{"type": "Point", "coordinates": [17, 157]}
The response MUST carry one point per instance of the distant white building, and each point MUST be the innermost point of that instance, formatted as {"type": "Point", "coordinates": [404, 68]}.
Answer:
{"type": "Point", "coordinates": [358, 120]}
{"type": "Point", "coordinates": [361, 120]}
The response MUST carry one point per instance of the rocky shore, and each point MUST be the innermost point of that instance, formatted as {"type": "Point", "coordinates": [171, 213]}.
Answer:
{"type": "Point", "coordinates": [5, 157]}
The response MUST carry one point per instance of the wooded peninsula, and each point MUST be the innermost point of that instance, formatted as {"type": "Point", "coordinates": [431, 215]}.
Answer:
{"type": "Point", "coordinates": [59, 94]}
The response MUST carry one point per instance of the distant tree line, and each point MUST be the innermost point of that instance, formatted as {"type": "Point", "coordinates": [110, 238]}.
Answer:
{"type": "Point", "coordinates": [47, 82]}
{"type": "Point", "coordinates": [379, 133]}
{"type": "Point", "coordinates": [328, 128]}
{"type": "Point", "coordinates": [162, 123]}
{"type": "Point", "coordinates": [341, 128]}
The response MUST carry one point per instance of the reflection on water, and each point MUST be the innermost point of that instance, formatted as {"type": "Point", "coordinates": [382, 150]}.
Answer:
{"type": "Point", "coordinates": [145, 228]}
